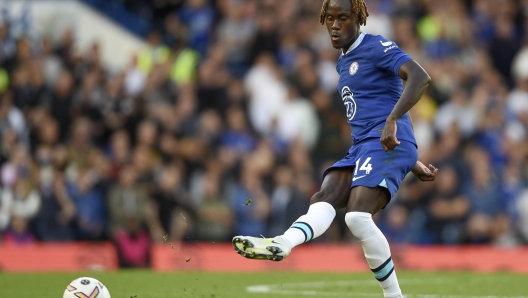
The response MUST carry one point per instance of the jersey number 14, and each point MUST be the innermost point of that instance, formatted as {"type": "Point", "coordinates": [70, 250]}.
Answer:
{"type": "Point", "coordinates": [366, 166]}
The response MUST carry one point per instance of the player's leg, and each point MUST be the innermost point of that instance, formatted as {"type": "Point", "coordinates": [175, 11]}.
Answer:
{"type": "Point", "coordinates": [377, 179]}
{"type": "Point", "coordinates": [363, 203]}
{"type": "Point", "coordinates": [334, 194]}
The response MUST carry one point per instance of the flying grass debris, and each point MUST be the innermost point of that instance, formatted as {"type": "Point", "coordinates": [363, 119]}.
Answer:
{"type": "Point", "coordinates": [184, 218]}
{"type": "Point", "coordinates": [248, 202]}
{"type": "Point", "coordinates": [165, 238]}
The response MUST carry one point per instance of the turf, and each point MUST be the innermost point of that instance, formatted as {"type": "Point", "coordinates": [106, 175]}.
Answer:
{"type": "Point", "coordinates": [147, 284]}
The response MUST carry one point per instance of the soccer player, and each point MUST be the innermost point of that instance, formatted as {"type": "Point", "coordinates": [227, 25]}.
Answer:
{"type": "Point", "coordinates": [371, 70]}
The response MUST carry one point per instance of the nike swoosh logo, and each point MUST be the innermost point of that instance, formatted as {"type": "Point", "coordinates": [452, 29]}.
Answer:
{"type": "Point", "coordinates": [273, 241]}
{"type": "Point", "coordinates": [386, 44]}
{"type": "Point", "coordinates": [358, 177]}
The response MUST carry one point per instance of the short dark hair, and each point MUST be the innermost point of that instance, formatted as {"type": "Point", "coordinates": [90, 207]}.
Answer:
{"type": "Point", "coordinates": [359, 8]}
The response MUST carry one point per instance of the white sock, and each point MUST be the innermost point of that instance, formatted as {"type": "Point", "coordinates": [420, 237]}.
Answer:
{"type": "Point", "coordinates": [377, 251]}
{"type": "Point", "coordinates": [311, 225]}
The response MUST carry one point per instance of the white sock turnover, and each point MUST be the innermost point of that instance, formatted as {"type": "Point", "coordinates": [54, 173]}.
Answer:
{"type": "Point", "coordinates": [377, 251]}
{"type": "Point", "coordinates": [311, 225]}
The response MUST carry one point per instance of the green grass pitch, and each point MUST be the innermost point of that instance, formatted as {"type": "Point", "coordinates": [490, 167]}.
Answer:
{"type": "Point", "coordinates": [147, 284]}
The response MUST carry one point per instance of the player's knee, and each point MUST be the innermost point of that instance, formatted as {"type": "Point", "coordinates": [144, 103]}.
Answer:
{"type": "Point", "coordinates": [358, 223]}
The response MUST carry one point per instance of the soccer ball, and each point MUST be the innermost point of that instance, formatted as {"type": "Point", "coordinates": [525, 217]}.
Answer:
{"type": "Point", "coordinates": [86, 287]}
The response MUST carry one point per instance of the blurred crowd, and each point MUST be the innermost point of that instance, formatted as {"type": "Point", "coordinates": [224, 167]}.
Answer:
{"type": "Point", "coordinates": [223, 124]}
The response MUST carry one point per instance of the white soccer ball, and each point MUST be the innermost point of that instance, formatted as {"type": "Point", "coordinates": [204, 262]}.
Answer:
{"type": "Point", "coordinates": [86, 287]}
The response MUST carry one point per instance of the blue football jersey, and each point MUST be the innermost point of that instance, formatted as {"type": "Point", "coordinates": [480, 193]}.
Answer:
{"type": "Point", "coordinates": [370, 86]}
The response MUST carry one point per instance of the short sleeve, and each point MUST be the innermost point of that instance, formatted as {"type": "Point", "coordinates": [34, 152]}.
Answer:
{"type": "Point", "coordinates": [386, 55]}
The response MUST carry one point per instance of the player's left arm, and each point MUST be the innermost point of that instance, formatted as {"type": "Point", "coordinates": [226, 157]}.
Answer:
{"type": "Point", "coordinates": [417, 82]}
{"type": "Point", "coordinates": [423, 172]}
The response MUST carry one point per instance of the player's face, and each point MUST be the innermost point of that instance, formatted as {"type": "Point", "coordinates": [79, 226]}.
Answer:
{"type": "Point", "coordinates": [341, 24]}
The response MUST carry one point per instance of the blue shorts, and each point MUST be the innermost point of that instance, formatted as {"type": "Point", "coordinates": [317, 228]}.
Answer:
{"type": "Point", "coordinates": [373, 167]}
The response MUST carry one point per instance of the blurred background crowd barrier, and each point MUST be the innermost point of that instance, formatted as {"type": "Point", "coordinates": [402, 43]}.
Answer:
{"type": "Point", "coordinates": [139, 122]}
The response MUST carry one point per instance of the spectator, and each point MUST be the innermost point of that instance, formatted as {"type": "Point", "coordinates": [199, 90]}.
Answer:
{"type": "Point", "coordinates": [518, 99]}
{"type": "Point", "coordinates": [172, 205]}
{"type": "Point", "coordinates": [47, 137]}
{"type": "Point", "coordinates": [18, 232]}
{"type": "Point", "coordinates": [153, 54]}
{"type": "Point", "coordinates": [55, 220]}
{"type": "Point", "coordinates": [331, 142]}
{"type": "Point", "coordinates": [80, 147]}
{"type": "Point", "coordinates": [22, 56]}
{"type": "Point", "coordinates": [267, 92]}
{"type": "Point", "coordinates": [9, 142]}
{"type": "Point", "coordinates": [210, 127]}
{"type": "Point", "coordinates": [144, 165]}
{"type": "Point", "coordinates": [213, 79]}
{"type": "Point", "coordinates": [267, 38]}
{"type": "Point", "coordinates": [214, 217]}
{"type": "Point", "coordinates": [448, 208]}
{"type": "Point", "coordinates": [90, 206]}
{"type": "Point", "coordinates": [199, 16]}
{"type": "Point", "coordinates": [297, 120]}
{"type": "Point", "coordinates": [458, 111]}
{"type": "Point", "coordinates": [237, 99]}
{"type": "Point", "coordinates": [18, 168]}
{"type": "Point", "coordinates": [185, 59]}
{"type": "Point", "coordinates": [22, 201]}
{"type": "Point", "coordinates": [114, 106]}
{"type": "Point", "coordinates": [51, 63]}
{"type": "Point", "coordinates": [119, 152]}
{"type": "Point", "coordinates": [238, 136]}
{"type": "Point", "coordinates": [5, 211]}
{"type": "Point", "coordinates": [12, 118]}
{"type": "Point", "coordinates": [60, 106]}
{"type": "Point", "coordinates": [41, 93]}
{"type": "Point", "coordinates": [504, 45]}
{"type": "Point", "coordinates": [22, 91]}
{"type": "Point", "coordinates": [395, 225]}
{"type": "Point", "coordinates": [65, 49]}
{"type": "Point", "coordinates": [147, 134]}
{"type": "Point", "coordinates": [249, 202]}
{"type": "Point", "coordinates": [287, 201]}
{"type": "Point", "coordinates": [485, 196]}
{"type": "Point", "coordinates": [129, 215]}
{"type": "Point", "coordinates": [522, 223]}
{"type": "Point", "coordinates": [235, 33]}
{"type": "Point", "coordinates": [303, 75]}
{"type": "Point", "coordinates": [7, 42]}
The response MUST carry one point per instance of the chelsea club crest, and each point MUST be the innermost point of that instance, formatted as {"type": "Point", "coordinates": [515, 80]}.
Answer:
{"type": "Point", "coordinates": [353, 68]}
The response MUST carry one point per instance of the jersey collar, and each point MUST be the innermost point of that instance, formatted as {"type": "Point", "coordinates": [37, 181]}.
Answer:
{"type": "Point", "coordinates": [355, 44]}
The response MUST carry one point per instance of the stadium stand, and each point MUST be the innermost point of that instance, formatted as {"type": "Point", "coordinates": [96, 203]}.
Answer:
{"type": "Point", "coordinates": [227, 117]}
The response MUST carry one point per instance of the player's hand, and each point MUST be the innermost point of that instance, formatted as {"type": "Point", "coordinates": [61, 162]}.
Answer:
{"type": "Point", "coordinates": [388, 136]}
{"type": "Point", "coordinates": [424, 173]}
